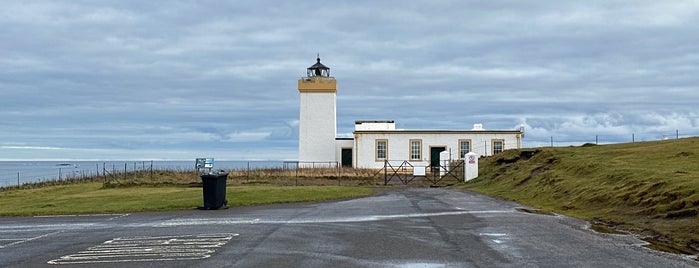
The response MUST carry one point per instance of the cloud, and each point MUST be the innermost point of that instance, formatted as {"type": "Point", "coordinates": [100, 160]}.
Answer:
{"type": "Point", "coordinates": [124, 79]}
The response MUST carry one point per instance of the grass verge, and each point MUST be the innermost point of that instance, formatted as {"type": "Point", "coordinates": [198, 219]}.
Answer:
{"type": "Point", "coordinates": [91, 197]}
{"type": "Point", "coordinates": [647, 188]}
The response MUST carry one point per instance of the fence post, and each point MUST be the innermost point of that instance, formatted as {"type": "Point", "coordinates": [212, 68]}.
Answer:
{"type": "Point", "coordinates": [385, 172]}
{"type": "Point", "coordinates": [247, 173]}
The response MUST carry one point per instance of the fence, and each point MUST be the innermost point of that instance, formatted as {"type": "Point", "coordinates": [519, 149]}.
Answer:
{"type": "Point", "coordinates": [15, 173]}
{"type": "Point", "coordinates": [557, 140]}
{"type": "Point", "coordinates": [404, 172]}
{"type": "Point", "coordinates": [19, 173]}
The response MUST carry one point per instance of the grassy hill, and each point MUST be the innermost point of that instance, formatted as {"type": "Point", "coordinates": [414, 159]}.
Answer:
{"type": "Point", "coordinates": [647, 188]}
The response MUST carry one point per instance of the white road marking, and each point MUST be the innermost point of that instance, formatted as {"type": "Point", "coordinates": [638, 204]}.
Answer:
{"type": "Point", "coordinates": [492, 234]}
{"type": "Point", "coordinates": [234, 221]}
{"type": "Point", "coordinates": [143, 249]}
{"type": "Point", "coordinates": [30, 229]}
{"type": "Point", "coordinates": [29, 239]}
{"type": "Point", "coordinates": [114, 216]}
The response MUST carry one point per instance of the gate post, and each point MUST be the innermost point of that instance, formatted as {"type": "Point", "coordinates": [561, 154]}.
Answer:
{"type": "Point", "coordinates": [470, 166]}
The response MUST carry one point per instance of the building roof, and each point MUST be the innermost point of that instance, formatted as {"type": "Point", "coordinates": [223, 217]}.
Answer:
{"type": "Point", "coordinates": [318, 65]}
{"type": "Point", "coordinates": [357, 122]}
{"type": "Point", "coordinates": [437, 131]}
{"type": "Point", "coordinates": [318, 70]}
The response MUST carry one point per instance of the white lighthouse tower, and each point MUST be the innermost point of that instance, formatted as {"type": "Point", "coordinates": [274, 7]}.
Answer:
{"type": "Point", "coordinates": [317, 126]}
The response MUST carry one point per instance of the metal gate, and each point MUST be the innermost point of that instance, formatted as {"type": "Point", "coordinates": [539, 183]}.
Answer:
{"type": "Point", "coordinates": [406, 173]}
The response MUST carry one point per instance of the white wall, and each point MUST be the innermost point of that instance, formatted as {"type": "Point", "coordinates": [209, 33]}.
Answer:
{"type": "Point", "coordinates": [374, 125]}
{"type": "Point", "coordinates": [339, 145]}
{"type": "Point", "coordinates": [399, 147]}
{"type": "Point", "coordinates": [317, 127]}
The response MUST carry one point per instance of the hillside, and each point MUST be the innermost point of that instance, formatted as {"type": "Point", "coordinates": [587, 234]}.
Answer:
{"type": "Point", "coordinates": [647, 188]}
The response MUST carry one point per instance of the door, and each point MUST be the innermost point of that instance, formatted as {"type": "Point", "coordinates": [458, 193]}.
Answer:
{"type": "Point", "coordinates": [347, 157]}
{"type": "Point", "coordinates": [434, 156]}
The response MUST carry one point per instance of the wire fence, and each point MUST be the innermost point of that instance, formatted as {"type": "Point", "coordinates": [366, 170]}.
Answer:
{"type": "Point", "coordinates": [16, 173]}
{"type": "Point", "coordinates": [560, 140]}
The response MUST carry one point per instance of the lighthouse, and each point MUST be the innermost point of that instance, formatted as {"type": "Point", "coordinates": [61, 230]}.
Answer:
{"type": "Point", "coordinates": [317, 115]}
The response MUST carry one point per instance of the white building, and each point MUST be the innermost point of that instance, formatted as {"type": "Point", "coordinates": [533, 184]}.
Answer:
{"type": "Point", "coordinates": [376, 142]}
{"type": "Point", "coordinates": [317, 117]}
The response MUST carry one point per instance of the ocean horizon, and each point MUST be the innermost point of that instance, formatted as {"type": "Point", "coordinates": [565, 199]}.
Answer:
{"type": "Point", "coordinates": [18, 172]}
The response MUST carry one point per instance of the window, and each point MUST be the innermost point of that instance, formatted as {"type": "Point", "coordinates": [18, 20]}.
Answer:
{"type": "Point", "coordinates": [464, 148]}
{"type": "Point", "coordinates": [415, 149]}
{"type": "Point", "coordinates": [381, 150]}
{"type": "Point", "coordinates": [498, 146]}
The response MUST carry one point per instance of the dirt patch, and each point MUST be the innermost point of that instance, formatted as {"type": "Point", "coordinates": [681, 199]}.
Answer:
{"type": "Point", "coordinates": [525, 155]}
{"type": "Point", "coordinates": [605, 228]}
{"type": "Point", "coordinates": [536, 211]}
{"type": "Point", "coordinates": [665, 244]}
{"type": "Point", "coordinates": [685, 213]}
{"type": "Point", "coordinates": [504, 160]}
{"type": "Point", "coordinates": [684, 154]}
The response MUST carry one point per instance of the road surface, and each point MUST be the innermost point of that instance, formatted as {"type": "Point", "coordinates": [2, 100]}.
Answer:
{"type": "Point", "coordinates": [401, 227]}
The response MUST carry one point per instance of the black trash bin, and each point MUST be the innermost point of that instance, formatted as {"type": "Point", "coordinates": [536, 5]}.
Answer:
{"type": "Point", "coordinates": [214, 189]}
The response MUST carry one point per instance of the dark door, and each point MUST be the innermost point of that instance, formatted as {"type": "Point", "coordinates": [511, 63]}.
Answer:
{"type": "Point", "coordinates": [434, 156]}
{"type": "Point", "coordinates": [347, 157]}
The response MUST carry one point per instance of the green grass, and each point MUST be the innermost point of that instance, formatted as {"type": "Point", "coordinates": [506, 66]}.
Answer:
{"type": "Point", "coordinates": [648, 188]}
{"type": "Point", "coordinates": [91, 197]}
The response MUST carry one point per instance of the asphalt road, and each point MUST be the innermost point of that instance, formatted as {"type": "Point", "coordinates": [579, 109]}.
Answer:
{"type": "Point", "coordinates": [405, 227]}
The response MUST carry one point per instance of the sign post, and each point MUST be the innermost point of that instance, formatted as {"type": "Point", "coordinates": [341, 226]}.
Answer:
{"type": "Point", "coordinates": [470, 166]}
{"type": "Point", "coordinates": [202, 163]}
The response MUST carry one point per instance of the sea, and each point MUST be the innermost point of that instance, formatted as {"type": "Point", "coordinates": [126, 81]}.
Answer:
{"type": "Point", "coordinates": [13, 173]}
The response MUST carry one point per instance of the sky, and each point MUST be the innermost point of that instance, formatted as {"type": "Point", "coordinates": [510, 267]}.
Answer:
{"type": "Point", "coordinates": [177, 80]}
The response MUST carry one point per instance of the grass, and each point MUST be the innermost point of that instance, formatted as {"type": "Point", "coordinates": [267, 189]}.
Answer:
{"type": "Point", "coordinates": [647, 188]}
{"type": "Point", "coordinates": [92, 197]}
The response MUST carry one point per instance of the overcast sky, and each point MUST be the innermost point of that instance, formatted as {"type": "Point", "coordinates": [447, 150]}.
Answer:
{"type": "Point", "coordinates": [150, 80]}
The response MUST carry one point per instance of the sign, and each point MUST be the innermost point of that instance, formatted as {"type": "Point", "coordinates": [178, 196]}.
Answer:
{"type": "Point", "coordinates": [471, 159]}
{"type": "Point", "coordinates": [204, 163]}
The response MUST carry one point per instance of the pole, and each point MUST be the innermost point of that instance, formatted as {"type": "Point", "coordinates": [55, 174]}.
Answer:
{"type": "Point", "coordinates": [633, 137]}
{"type": "Point", "coordinates": [677, 134]}
{"type": "Point", "coordinates": [17, 178]}
{"type": "Point", "coordinates": [596, 139]}
{"type": "Point", "coordinates": [551, 141]}
{"type": "Point", "coordinates": [385, 172]}
{"type": "Point", "coordinates": [59, 173]}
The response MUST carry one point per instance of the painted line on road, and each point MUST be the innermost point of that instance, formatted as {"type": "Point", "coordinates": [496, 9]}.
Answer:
{"type": "Point", "coordinates": [114, 216]}
{"type": "Point", "coordinates": [369, 218]}
{"type": "Point", "coordinates": [30, 229]}
{"type": "Point", "coordinates": [145, 249]}
{"type": "Point", "coordinates": [29, 239]}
